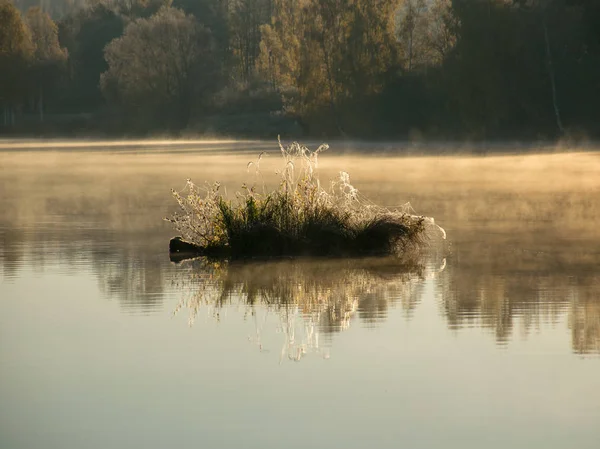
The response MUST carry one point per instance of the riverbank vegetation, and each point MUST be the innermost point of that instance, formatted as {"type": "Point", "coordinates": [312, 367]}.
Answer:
{"type": "Point", "coordinates": [393, 69]}
{"type": "Point", "coordinates": [299, 217]}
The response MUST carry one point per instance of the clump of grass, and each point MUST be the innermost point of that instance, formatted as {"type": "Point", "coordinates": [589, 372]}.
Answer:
{"type": "Point", "coordinates": [300, 217]}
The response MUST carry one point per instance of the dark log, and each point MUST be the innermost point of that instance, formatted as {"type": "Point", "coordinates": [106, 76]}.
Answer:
{"type": "Point", "coordinates": [180, 249]}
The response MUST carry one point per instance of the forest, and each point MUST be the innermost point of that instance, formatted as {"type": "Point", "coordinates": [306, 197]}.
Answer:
{"type": "Point", "coordinates": [363, 69]}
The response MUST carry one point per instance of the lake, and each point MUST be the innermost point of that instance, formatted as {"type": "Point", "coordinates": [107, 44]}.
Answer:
{"type": "Point", "coordinates": [491, 340]}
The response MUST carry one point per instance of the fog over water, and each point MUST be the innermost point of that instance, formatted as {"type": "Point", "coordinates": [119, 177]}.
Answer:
{"type": "Point", "coordinates": [490, 339]}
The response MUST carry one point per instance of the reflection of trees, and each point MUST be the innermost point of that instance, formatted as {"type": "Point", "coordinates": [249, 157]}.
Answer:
{"type": "Point", "coordinates": [131, 273]}
{"type": "Point", "coordinates": [11, 252]}
{"type": "Point", "coordinates": [320, 297]}
{"type": "Point", "coordinates": [584, 315]}
{"type": "Point", "coordinates": [96, 229]}
{"type": "Point", "coordinates": [86, 217]}
{"type": "Point", "coordinates": [492, 288]}
{"type": "Point", "coordinates": [128, 269]}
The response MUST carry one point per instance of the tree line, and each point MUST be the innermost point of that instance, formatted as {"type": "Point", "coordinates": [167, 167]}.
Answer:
{"type": "Point", "coordinates": [476, 69]}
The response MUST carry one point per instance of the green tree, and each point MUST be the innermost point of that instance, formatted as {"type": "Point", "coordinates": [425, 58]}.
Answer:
{"type": "Point", "coordinates": [486, 75]}
{"type": "Point", "coordinates": [514, 65]}
{"type": "Point", "coordinates": [85, 32]}
{"type": "Point", "coordinates": [213, 15]}
{"type": "Point", "coordinates": [160, 68]}
{"type": "Point", "coordinates": [133, 9]}
{"type": "Point", "coordinates": [15, 53]}
{"type": "Point", "coordinates": [48, 57]}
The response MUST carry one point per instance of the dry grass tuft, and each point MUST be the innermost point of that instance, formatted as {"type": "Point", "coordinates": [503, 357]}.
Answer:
{"type": "Point", "coordinates": [300, 217]}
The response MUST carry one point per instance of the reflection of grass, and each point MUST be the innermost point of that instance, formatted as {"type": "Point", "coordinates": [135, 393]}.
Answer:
{"type": "Point", "coordinates": [300, 217]}
{"type": "Point", "coordinates": [319, 296]}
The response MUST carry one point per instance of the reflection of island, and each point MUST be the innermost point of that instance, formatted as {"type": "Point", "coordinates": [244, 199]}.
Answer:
{"type": "Point", "coordinates": [314, 297]}
{"type": "Point", "coordinates": [504, 291]}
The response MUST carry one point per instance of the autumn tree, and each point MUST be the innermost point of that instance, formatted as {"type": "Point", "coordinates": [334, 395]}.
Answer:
{"type": "Point", "coordinates": [372, 48]}
{"type": "Point", "coordinates": [442, 29]}
{"type": "Point", "coordinates": [15, 53]}
{"type": "Point", "coordinates": [287, 56]}
{"type": "Point", "coordinates": [426, 31]}
{"type": "Point", "coordinates": [324, 55]}
{"type": "Point", "coordinates": [48, 56]}
{"type": "Point", "coordinates": [140, 8]}
{"type": "Point", "coordinates": [214, 16]}
{"type": "Point", "coordinates": [412, 32]}
{"type": "Point", "coordinates": [160, 67]}
{"type": "Point", "coordinates": [245, 20]}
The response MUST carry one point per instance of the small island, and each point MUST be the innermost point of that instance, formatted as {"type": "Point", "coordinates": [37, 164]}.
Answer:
{"type": "Point", "coordinates": [299, 218]}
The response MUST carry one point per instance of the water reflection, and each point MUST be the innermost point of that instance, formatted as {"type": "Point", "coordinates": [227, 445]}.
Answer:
{"type": "Point", "coordinates": [133, 270]}
{"type": "Point", "coordinates": [508, 286]}
{"type": "Point", "coordinates": [311, 298]}
{"type": "Point", "coordinates": [503, 291]}
{"type": "Point", "coordinates": [529, 260]}
{"type": "Point", "coordinates": [323, 297]}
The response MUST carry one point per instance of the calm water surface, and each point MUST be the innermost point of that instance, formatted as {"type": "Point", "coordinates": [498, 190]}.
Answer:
{"type": "Point", "coordinates": [491, 340]}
